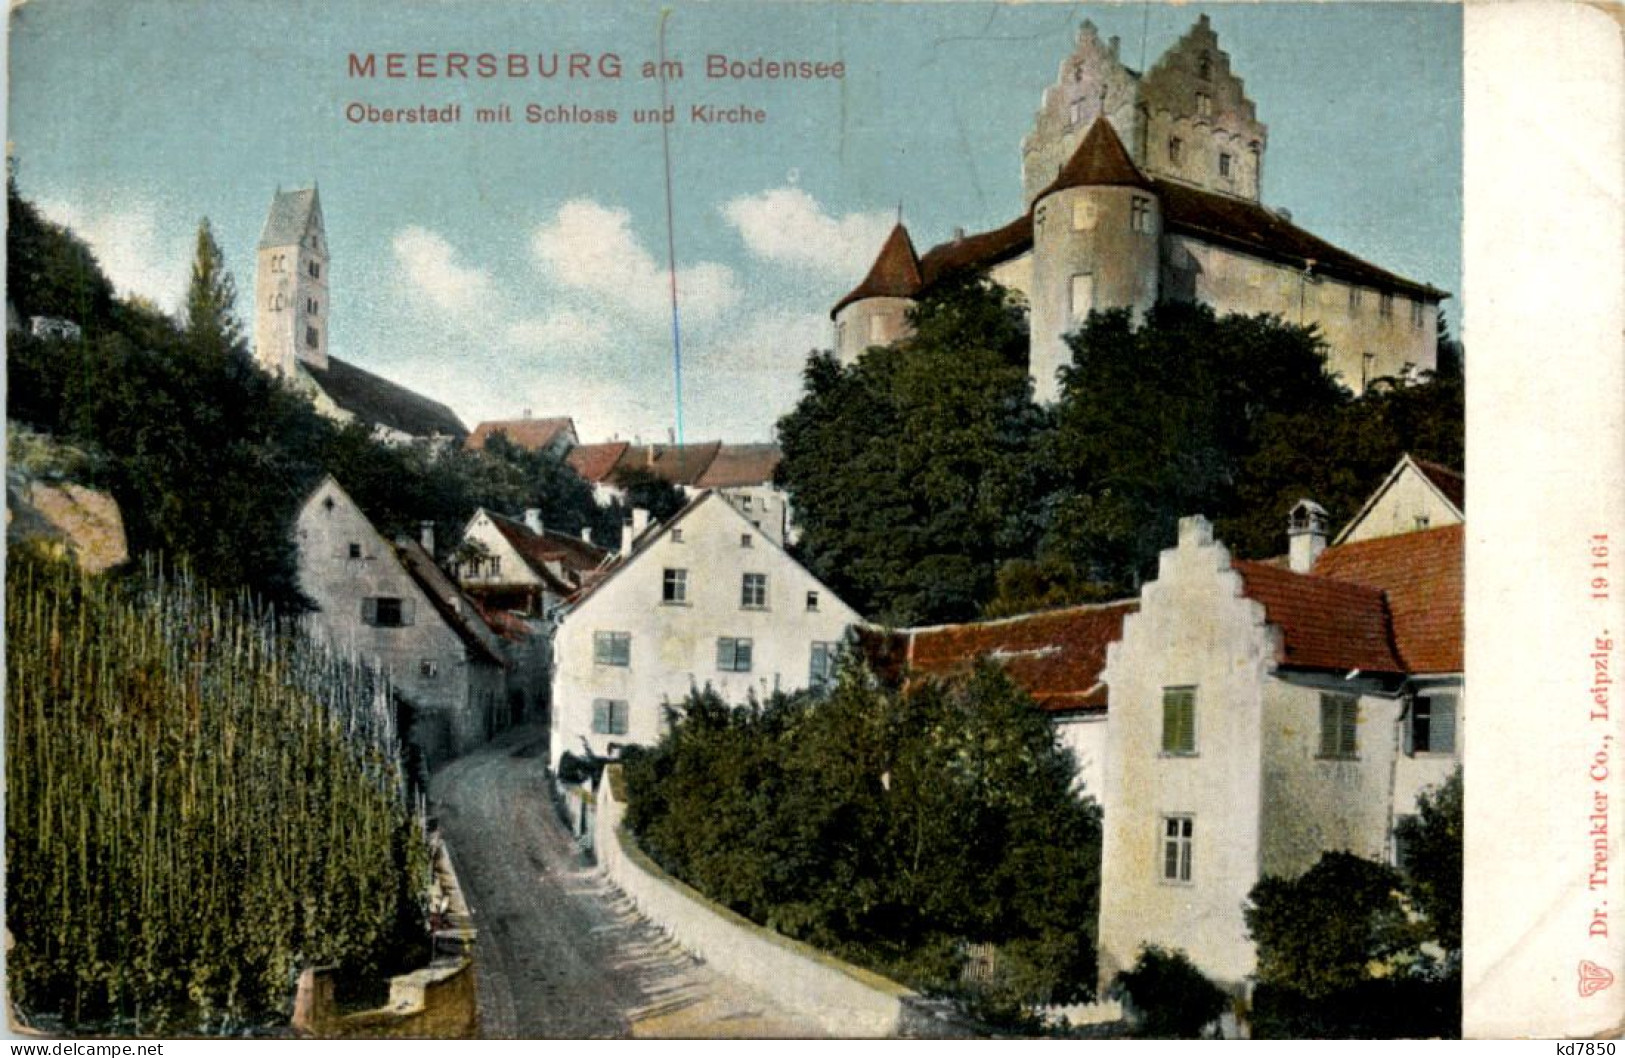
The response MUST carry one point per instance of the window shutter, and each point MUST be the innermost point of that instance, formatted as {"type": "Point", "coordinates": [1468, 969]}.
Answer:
{"type": "Point", "coordinates": [1444, 724]}
{"type": "Point", "coordinates": [1409, 734]}
{"type": "Point", "coordinates": [369, 611]}
{"type": "Point", "coordinates": [1348, 733]}
{"type": "Point", "coordinates": [1328, 725]}
{"type": "Point", "coordinates": [408, 608]}
{"type": "Point", "coordinates": [600, 716]}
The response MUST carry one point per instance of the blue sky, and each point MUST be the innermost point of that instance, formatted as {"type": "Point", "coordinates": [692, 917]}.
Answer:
{"type": "Point", "coordinates": [503, 268]}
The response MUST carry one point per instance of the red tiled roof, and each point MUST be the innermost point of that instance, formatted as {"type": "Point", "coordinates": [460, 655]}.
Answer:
{"type": "Point", "coordinates": [982, 250]}
{"type": "Point", "coordinates": [1324, 623]}
{"type": "Point", "coordinates": [1101, 160]}
{"type": "Point", "coordinates": [1424, 576]}
{"type": "Point", "coordinates": [741, 465]}
{"type": "Point", "coordinates": [895, 273]}
{"type": "Point", "coordinates": [678, 464]}
{"type": "Point", "coordinates": [454, 607]}
{"type": "Point", "coordinates": [576, 556]}
{"type": "Point", "coordinates": [1056, 657]}
{"type": "Point", "coordinates": [532, 435]}
{"type": "Point", "coordinates": [595, 462]}
{"type": "Point", "coordinates": [1450, 482]}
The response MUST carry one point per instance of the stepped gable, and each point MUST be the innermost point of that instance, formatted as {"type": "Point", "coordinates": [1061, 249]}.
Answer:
{"type": "Point", "coordinates": [895, 273]}
{"type": "Point", "coordinates": [532, 435]}
{"type": "Point", "coordinates": [1423, 574]}
{"type": "Point", "coordinates": [739, 465]}
{"type": "Point", "coordinates": [1324, 623]}
{"type": "Point", "coordinates": [1056, 656]}
{"type": "Point", "coordinates": [290, 214]}
{"type": "Point", "coordinates": [378, 401]}
{"type": "Point", "coordinates": [595, 462]}
{"type": "Point", "coordinates": [1101, 160]}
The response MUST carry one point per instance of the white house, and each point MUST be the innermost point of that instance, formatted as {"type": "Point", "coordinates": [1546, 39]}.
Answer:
{"type": "Point", "coordinates": [521, 564]}
{"type": "Point", "coordinates": [389, 605]}
{"type": "Point", "coordinates": [1263, 714]}
{"type": "Point", "coordinates": [1416, 494]}
{"type": "Point", "coordinates": [705, 599]}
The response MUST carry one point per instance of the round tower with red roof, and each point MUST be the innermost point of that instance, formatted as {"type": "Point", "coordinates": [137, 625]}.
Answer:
{"type": "Point", "coordinates": [876, 311]}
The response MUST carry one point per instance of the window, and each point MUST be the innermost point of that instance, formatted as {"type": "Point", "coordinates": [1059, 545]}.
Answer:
{"type": "Point", "coordinates": [608, 716]}
{"type": "Point", "coordinates": [315, 270]}
{"type": "Point", "coordinates": [1416, 314]}
{"type": "Point", "coordinates": [753, 591]}
{"type": "Point", "coordinates": [1204, 67]}
{"type": "Point", "coordinates": [1354, 301]}
{"type": "Point", "coordinates": [1083, 295]}
{"type": "Point", "coordinates": [840, 334]}
{"type": "Point", "coordinates": [1204, 105]}
{"type": "Point", "coordinates": [355, 550]}
{"type": "Point", "coordinates": [1385, 307]}
{"type": "Point", "coordinates": [1076, 116]}
{"type": "Point", "coordinates": [877, 329]}
{"type": "Point", "coordinates": [744, 503]}
{"type": "Point", "coordinates": [496, 565]}
{"type": "Point", "coordinates": [1077, 73]}
{"type": "Point", "coordinates": [279, 263]}
{"type": "Point", "coordinates": [1176, 149]}
{"type": "Point", "coordinates": [744, 539]}
{"type": "Point", "coordinates": [812, 600]}
{"type": "Point", "coordinates": [1140, 213]}
{"type": "Point", "coordinates": [1084, 214]}
{"type": "Point", "coordinates": [276, 302]}
{"type": "Point", "coordinates": [310, 337]}
{"type": "Point", "coordinates": [612, 648]}
{"type": "Point", "coordinates": [675, 587]}
{"type": "Point", "coordinates": [1224, 165]}
{"type": "Point", "coordinates": [386, 611]}
{"type": "Point", "coordinates": [1339, 733]}
{"type": "Point", "coordinates": [676, 536]}
{"type": "Point", "coordinates": [1179, 721]}
{"type": "Point", "coordinates": [823, 665]}
{"type": "Point", "coordinates": [1178, 834]}
{"type": "Point", "coordinates": [733, 655]}
{"type": "Point", "coordinates": [310, 306]}
{"type": "Point", "coordinates": [1432, 727]}
{"type": "Point", "coordinates": [428, 669]}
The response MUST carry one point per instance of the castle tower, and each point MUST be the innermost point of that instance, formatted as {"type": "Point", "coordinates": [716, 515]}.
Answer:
{"type": "Point", "coordinates": [1198, 126]}
{"type": "Point", "coordinates": [876, 311]}
{"type": "Point", "coordinates": [1097, 233]}
{"type": "Point", "coordinates": [1092, 83]}
{"type": "Point", "coordinates": [291, 306]}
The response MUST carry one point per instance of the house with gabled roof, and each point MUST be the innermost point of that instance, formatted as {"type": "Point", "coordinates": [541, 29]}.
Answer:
{"type": "Point", "coordinates": [520, 564]}
{"type": "Point", "coordinates": [390, 606]}
{"type": "Point", "coordinates": [555, 436]}
{"type": "Point", "coordinates": [292, 319]}
{"type": "Point", "coordinates": [1416, 494]}
{"type": "Point", "coordinates": [1262, 715]}
{"type": "Point", "coordinates": [1141, 186]}
{"type": "Point", "coordinates": [705, 599]}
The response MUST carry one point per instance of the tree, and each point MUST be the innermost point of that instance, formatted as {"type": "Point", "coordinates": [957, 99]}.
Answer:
{"type": "Point", "coordinates": [1173, 999]}
{"type": "Point", "coordinates": [647, 490]}
{"type": "Point", "coordinates": [1158, 421]}
{"type": "Point", "coordinates": [1433, 842]}
{"type": "Point", "coordinates": [913, 471]}
{"type": "Point", "coordinates": [211, 299]}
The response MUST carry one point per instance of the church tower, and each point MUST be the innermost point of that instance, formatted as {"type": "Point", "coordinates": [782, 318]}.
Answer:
{"type": "Point", "coordinates": [291, 305]}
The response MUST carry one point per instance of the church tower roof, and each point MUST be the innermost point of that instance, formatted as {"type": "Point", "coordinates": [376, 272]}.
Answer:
{"type": "Point", "coordinates": [895, 273]}
{"type": "Point", "coordinates": [1101, 160]}
{"type": "Point", "coordinates": [290, 216]}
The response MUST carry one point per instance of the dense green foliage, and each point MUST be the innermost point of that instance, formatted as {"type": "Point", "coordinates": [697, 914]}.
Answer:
{"type": "Point", "coordinates": [893, 829]}
{"type": "Point", "coordinates": [1432, 839]}
{"type": "Point", "coordinates": [1170, 996]}
{"type": "Point", "coordinates": [207, 455]}
{"type": "Point", "coordinates": [197, 808]}
{"type": "Point", "coordinates": [914, 471]}
{"type": "Point", "coordinates": [930, 488]}
{"type": "Point", "coordinates": [1341, 953]}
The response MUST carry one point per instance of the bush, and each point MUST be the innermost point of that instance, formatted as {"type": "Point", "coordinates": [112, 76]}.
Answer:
{"type": "Point", "coordinates": [1171, 998]}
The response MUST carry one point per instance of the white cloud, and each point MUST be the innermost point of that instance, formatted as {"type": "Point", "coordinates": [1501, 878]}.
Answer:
{"type": "Point", "coordinates": [787, 226]}
{"type": "Point", "coordinates": [139, 254]}
{"type": "Point", "coordinates": [564, 331]}
{"type": "Point", "coordinates": [591, 249]}
{"type": "Point", "coordinates": [429, 265]}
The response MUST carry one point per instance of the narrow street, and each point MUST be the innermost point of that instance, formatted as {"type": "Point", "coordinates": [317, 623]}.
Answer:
{"type": "Point", "coordinates": [561, 953]}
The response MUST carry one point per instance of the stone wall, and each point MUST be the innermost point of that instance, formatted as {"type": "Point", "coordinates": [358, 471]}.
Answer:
{"type": "Point", "coordinates": [844, 1000]}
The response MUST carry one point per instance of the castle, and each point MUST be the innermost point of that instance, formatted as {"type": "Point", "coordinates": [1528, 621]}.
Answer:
{"type": "Point", "coordinates": [1145, 186]}
{"type": "Point", "coordinates": [292, 310]}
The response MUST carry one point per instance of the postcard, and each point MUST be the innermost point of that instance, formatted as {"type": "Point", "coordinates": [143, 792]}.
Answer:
{"type": "Point", "coordinates": [756, 519]}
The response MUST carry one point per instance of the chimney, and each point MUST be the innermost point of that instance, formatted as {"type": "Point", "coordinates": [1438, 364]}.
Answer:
{"type": "Point", "coordinates": [586, 534]}
{"type": "Point", "coordinates": [526, 414]}
{"type": "Point", "coordinates": [1306, 534]}
{"type": "Point", "coordinates": [426, 537]}
{"type": "Point", "coordinates": [533, 520]}
{"type": "Point", "coordinates": [959, 235]}
{"type": "Point", "coordinates": [1114, 44]}
{"type": "Point", "coordinates": [640, 520]}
